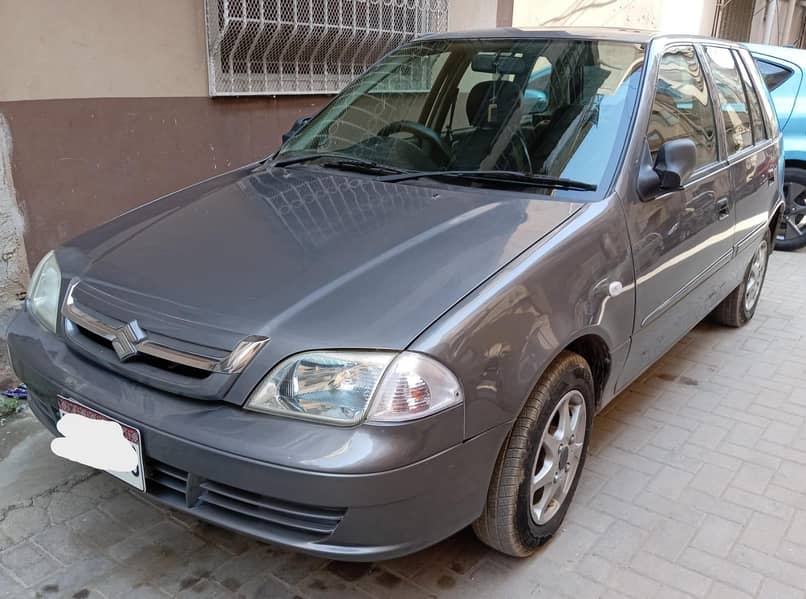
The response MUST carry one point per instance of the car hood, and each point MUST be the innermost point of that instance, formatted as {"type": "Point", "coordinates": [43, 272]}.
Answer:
{"type": "Point", "coordinates": [310, 257]}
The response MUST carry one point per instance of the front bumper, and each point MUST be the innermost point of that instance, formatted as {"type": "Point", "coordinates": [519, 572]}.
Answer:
{"type": "Point", "coordinates": [351, 514]}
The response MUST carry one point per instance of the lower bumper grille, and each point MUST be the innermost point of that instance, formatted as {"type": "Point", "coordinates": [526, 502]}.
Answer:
{"type": "Point", "coordinates": [239, 509]}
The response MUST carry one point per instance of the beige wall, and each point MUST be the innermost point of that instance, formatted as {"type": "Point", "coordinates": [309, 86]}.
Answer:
{"type": "Point", "coordinates": [101, 48]}
{"type": "Point", "coordinates": [674, 16]}
{"type": "Point", "coordinates": [151, 48]}
{"type": "Point", "coordinates": [694, 17]}
{"type": "Point", "coordinates": [759, 16]}
{"type": "Point", "coordinates": [779, 35]}
{"type": "Point", "coordinates": [471, 14]}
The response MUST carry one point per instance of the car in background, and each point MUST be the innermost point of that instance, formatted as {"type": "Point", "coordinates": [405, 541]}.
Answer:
{"type": "Point", "coordinates": [782, 70]}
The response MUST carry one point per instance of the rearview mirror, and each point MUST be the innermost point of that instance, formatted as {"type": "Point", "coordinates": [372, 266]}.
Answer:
{"type": "Point", "coordinates": [503, 63]}
{"type": "Point", "coordinates": [673, 165]}
{"type": "Point", "coordinates": [298, 124]}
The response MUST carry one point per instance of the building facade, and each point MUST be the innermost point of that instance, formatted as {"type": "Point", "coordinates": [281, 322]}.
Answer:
{"type": "Point", "coordinates": [777, 22]}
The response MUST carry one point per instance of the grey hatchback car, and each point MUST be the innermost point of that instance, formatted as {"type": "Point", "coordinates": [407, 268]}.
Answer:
{"type": "Point", "coordinates": [403, 322]}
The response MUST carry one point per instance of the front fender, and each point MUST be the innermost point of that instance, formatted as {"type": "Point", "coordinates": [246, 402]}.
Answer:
{"type": "Point", "coordinates": [501, 338]}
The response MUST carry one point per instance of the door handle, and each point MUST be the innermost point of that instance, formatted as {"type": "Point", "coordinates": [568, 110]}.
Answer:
{"type": "Point", "coordinates": [723, 208]}
{"type": "Point", "coordinates": [771, 175]}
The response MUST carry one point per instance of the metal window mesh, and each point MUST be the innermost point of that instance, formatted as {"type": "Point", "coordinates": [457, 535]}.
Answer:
{"type": "Point", "coordinates": [307, 46]}
{"type": "Point", "coordinates": [733, 20]}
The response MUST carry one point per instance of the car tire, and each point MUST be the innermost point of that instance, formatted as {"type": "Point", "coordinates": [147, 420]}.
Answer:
{"type": "Point", "coordinates": [787, 238]}
{"type": "Point", "coordinates": [739, 307]}
{"type": "Point", "coordinates": [539, 466]}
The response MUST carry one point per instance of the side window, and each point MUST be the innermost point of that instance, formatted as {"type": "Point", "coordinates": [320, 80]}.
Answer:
{"type": "Point", "coordinates": [773, 74]}
{"type": "Point", "coordinates": [759, 134]}
{"type": "Point", "coordinates": [732, 101]}
{"type": "Point", "coordinates": [682, 108]}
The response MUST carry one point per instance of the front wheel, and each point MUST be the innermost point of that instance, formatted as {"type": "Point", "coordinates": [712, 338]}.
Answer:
{"type": "Point", "coordinates": [539, 466]}
{"type": "Point", "coordinates": [791, 234]}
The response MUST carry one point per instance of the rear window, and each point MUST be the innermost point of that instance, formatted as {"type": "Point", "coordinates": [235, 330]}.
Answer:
{"type": "Point", "coordinates": [773, 74]}
{"type": "Point", "coordinates": [732, 99]}
{"type": "Point", "coordinates": [759, 132]}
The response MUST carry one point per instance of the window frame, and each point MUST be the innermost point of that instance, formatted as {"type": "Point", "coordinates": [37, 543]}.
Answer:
{"type": "Point", "coordinates": [637, 152]}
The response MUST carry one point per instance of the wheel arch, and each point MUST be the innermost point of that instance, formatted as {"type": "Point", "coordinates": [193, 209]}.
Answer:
{"type": "Point", "coordinates": [775, 219]}
{"type": "Point", "coordinates": [791, 162]}
{"type": "Point", "coordinates": [595, 351]}
{"type": "Point", "coordinates": [593, 348]}
{"type": "Point", "coordinates": [795, 163]}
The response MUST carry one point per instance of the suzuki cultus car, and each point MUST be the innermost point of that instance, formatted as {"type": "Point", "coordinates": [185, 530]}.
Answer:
{"type": "Point", "coordinates": [404, 321]}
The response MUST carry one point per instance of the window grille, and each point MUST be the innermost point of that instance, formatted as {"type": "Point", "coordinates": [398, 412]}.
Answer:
{"type": "Point", "coordinates": [259, 47]}
{"type": "Point", "coordinates": [733, 19]}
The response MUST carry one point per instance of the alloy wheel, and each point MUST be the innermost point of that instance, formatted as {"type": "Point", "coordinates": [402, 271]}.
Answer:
{"type": "Point", "coordinates": [793, 223]}
{"type": "Point", "coordinates": [558, 457]}
{"type": "Point", "coordinates": [755, 276]}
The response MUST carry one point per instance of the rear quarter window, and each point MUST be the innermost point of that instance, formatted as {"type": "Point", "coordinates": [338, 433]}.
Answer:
{"type": "Point", "coordinates": [773, 74]}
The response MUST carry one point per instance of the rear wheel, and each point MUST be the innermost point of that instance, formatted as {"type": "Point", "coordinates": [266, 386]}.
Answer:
{"type": "Point", "coordinates": [739, 307]}
{"type": "Point", "coordinates": [791, 234]}
{"type": "Point", "coordinates": [539, 466]}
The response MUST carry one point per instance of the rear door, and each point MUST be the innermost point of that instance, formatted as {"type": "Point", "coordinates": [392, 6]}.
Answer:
{"type": "Point", "coordinates": [752, 156]}
{"type": "Point", "coordinates": [680, 239]}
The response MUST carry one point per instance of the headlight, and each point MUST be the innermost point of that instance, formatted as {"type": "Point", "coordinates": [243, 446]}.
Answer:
{"type": "Point", "coordinates": [343, 387]}
{"type": "Point", "coordinates": [43, 295]}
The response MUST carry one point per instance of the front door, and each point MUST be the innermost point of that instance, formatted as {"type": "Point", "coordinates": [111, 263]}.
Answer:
{"type": "Point", "coordinates": [680, 239]}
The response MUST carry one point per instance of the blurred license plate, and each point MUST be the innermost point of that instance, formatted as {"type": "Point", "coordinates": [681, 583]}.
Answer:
{"type": "Point", "coordinates": [136, 477]}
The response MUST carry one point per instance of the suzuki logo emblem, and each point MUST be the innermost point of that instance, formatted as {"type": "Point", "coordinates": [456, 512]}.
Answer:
{"type": "Point", "coordinates": [126, 339]}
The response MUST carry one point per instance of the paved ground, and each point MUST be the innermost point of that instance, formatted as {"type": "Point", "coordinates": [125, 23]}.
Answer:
{"type": "Point", "coordinates": [696, 487]}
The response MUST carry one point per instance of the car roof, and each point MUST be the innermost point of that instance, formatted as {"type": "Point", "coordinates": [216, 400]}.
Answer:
{"type": "Point", "coordinates": [637, 36]}
{"type": "Point", "coordinates": [793, 55]}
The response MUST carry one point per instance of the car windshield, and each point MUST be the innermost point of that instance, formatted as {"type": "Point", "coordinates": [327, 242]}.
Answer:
{"type": "Point", "coordinates": [550, 107]}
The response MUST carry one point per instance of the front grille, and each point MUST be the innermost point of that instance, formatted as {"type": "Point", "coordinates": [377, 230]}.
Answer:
{"type": "Point", "coordinates": [105, 346]}
{"type": "Point", "coordinates": [237, 508]}
{"type": "Point", "coordinates": [177, 354]}
{"type": "Point", "coordinates": [128, 339]}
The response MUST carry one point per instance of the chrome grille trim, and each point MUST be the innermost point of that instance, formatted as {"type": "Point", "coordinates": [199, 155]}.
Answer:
{"type": "Point", "coordinates": [233, 363]}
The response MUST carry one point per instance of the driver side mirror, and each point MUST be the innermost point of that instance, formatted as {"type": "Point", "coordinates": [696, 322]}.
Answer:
{"type": "Point", "coordinates": [298, 124]}
{"type": "Point", "coordinates": [673, 165]}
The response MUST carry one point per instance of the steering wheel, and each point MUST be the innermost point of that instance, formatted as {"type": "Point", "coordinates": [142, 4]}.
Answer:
{"type": "Point", "coordinates": [426, 134]}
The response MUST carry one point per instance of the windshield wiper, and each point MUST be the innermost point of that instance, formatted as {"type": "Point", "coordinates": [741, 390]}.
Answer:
{"type": "Point", "coordinates": [343, 162]}
{"type": "Point", "coordinates": [506, 177]}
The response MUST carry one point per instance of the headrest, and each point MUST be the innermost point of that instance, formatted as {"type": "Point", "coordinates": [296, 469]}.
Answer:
{"type": "Point", "coordinates": [507, 96]}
